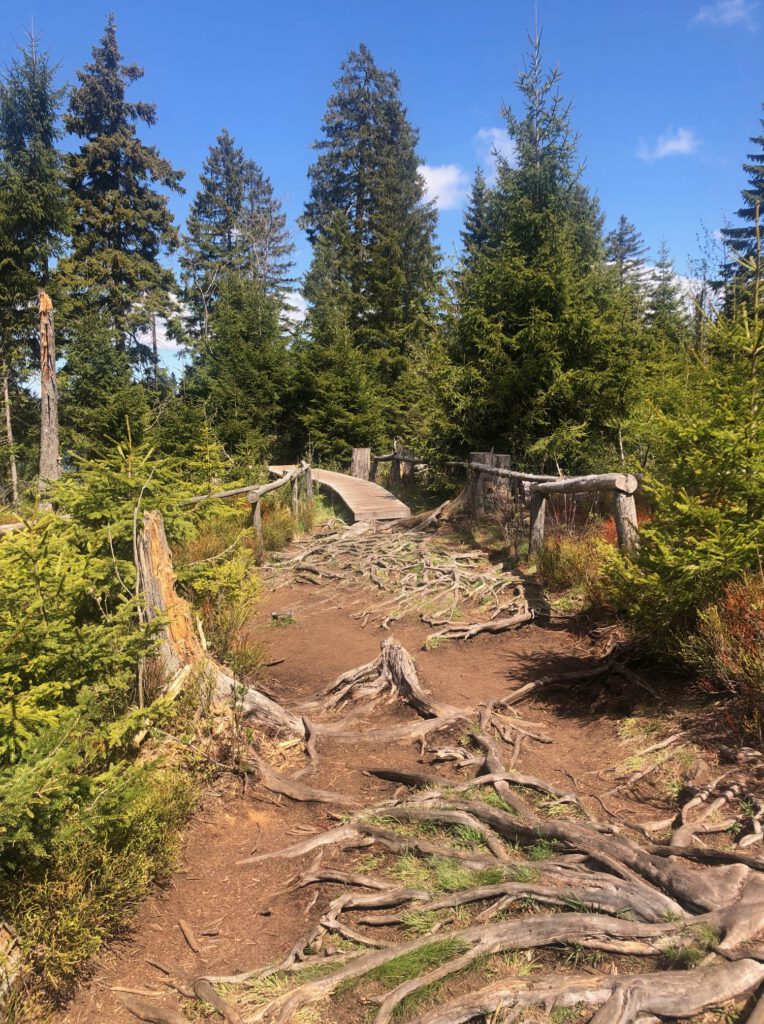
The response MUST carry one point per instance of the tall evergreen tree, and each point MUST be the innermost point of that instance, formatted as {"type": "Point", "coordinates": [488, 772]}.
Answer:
{"type": "Point", "coordinates": [235, 225]}
{"type": "Point", "coordinates": [545, 368]}
{"type": "Point", "coordinates": [742, 237]}
{"type": "Point", "coordinates": [266, 244]}
{"type": "Point", "coordinates": [210, 245]}
{"type": "Point", "coordinates": [367, 202]}
{"type": "Point", "coordinates": [240, 370]}
{"type": "Point", "coordinates": [667, 315]}
{"type": "Point", "coordinates": [626, 250]}
{"type": "Point", "coordinates": [122, 222]}
{"type": "Point", "coordinates": [476, 230]}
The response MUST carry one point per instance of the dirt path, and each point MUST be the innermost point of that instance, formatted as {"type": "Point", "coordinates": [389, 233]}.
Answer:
{"type": "Point", "coordinates": [249, 916]}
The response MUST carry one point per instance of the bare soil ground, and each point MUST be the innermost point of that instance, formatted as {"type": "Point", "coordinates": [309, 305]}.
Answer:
{"type": "Point", "coordinates": [240, 917]}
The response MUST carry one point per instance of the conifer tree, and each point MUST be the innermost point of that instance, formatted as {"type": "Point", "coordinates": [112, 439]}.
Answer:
{"type": "Point", "coordinates": [545, 369]}
{"type": "Point", "coordinates": [210, 245]}
{"type": "Point", "coordinates": [667, 315]}
{"type": "Point", "coordinates": [235, 225]}
{"type": "Point", "coordinates": [742, 237]}
{"type": "Point", "coordinates": [122, 222]}
{"type": "Point", "coordinates": [475, 233]}
{"type": "Point", "coordinates": [240, 371]}
{"type": "Point", "coordinates": [367, 201]}
{"type": "Point", "coordinates": [626, 250]}
{"type": "Point", "coordinates": [266, 244]}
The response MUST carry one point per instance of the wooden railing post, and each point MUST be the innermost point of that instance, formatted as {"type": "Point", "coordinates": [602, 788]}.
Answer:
{"type": "Point", "coordinates": [626, 521]}
{"type": "Point", "coordinates": [308, 486]}
{"type": "Point", "coordinates": [257, 517]}
{"type": "Point", "coordinates": [538, 517]}
{"type": "Point", "coordinates": [294, 488]}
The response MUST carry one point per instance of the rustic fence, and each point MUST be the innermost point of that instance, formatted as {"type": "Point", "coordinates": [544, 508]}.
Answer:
{"type": "Point", "coordinates": [300, 480]}
{"type": "Point", "coordinates": [538, 487]}
{"type": "Point", "coordinates": [402, 461]}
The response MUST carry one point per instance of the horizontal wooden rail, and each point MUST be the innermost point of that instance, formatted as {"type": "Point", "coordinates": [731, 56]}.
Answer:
{"type": "Point", "coordinates": [626, 483]}
{"type": "Point", "coordinates": [622, 485]}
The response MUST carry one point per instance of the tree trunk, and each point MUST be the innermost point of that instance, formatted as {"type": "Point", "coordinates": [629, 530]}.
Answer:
{"type": "Point", "coordinates": [50, 466]}
{"type": "Point", "coordinates": [155, 348]}
{"type": "Point", "coordinates": [9, 439]}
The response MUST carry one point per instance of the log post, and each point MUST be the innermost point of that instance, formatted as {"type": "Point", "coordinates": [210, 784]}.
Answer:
{"type": "Point", "coordinates": [360, 463]}
{"type": "Point", "coordinates": [294, 489]}
{"type": "Point", "coordinates": [257, 515]}
{"type": "Point", "coordinates": [477, 482]}
{"type": "Point", "coordinates": [538, 516]}
{"type": "Point", "coordinates": [373, 470]}
{"type": "Point", "coordinates": [407, 468]}
{"type": "Point", "coordinates": [626, 521]}
{"type": "Point", "coordinates": [395, 471]}
{"type": "Point", "coordinates": [50, 466]}
{"type": "Point", "coordinates": [307, 479]}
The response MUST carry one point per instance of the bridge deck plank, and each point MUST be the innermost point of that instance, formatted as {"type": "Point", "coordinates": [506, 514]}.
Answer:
{"type": "Point", "coordinates": [364, 499]}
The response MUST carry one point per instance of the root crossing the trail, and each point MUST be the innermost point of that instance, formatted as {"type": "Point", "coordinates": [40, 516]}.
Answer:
{"type": "Point", "coordinates": [468, 888]}
{"type": "Point", "coordinates": [480, 899]}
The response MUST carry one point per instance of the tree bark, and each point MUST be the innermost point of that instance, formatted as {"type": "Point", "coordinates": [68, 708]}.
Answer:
{"type": "Point", "coordinates": [50, 465]}
{"type": "Point", "coordinates": [12, 471]}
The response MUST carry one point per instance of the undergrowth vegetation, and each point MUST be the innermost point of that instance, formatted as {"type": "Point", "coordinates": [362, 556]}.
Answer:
{"type": "Point", "coordinates": [92, 800]}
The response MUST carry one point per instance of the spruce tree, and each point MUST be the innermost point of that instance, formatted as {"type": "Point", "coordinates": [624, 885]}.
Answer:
{"type": "Point", "coordinates": [476, 230]}
{"type": "Point", "coordinates": [210, 245]}
{"type": "Point", "coordinates": [235, 225]}
{"type": "Point", "coordinates": [122, 222]}
{"type": "Point", "coordinates": [367, 200]}
{"type": "Point", "coordinates": [667, 318]}
{"type": "Point", "coordinates": [742, 237]}
{"type": "Point", "coordinates": [626, 250]}
{"type": "Point", "coordinates": [545, 369]}
{"type": "Point", "coordinates": [266, 244]}
{"type": "Point", "coordinates": [240, 371]}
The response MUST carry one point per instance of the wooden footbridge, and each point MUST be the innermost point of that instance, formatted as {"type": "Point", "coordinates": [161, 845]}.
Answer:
{"type": "Point", "coordinates": [364, 500]}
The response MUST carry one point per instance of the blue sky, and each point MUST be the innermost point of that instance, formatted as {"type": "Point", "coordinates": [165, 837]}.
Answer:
{"type": "Point", "coordinates": [665, 92]}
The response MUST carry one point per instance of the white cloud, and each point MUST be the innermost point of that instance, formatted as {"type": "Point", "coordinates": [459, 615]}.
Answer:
{"type": "Point", "coordinates": [726, 13]}
{"type": "Point", "coordinates": [447, 184]}
{"type": "Point", "coordinates": [296, 307]}
{"type": "Point", "coordinates": [492, 144]}
{"type": "Point", "coordinates": [681, 142]}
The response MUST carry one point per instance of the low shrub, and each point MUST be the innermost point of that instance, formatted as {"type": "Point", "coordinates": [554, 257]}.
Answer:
{"type": "Point", "coordinates": [727, 648]}
{"type": "Point", "coordinates": [574, 563]}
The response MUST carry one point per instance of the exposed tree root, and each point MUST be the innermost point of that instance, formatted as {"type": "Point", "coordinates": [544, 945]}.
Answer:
{"type": "Point", "coordinates": [621, 999]}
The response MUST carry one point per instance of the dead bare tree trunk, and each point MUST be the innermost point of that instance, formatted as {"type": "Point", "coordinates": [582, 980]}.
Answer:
{"type": "Point", "coordinates": [12, 471]}
{"type": "Point", "coordinates": [155, 349]}
{"type": "Point", "coordinates": [50, 466]}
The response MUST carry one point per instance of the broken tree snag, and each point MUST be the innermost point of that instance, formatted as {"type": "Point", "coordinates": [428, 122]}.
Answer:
{"type": "Point", "coordinates": [50, 465]}
{"type": "Point", "coordinates": [179, 645]}
{"type": "Point", "coordinates": [360, 463]}
{"type": "Point", "coordinates": [13, 472]}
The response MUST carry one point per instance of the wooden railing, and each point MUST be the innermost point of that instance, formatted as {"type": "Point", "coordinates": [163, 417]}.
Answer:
{"type": "Point", "coordinates": [300, 480]}
{"type": "Point", "coordinates": [402, 461]}
{"type": "Point", "coordinates": [483, 466]}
